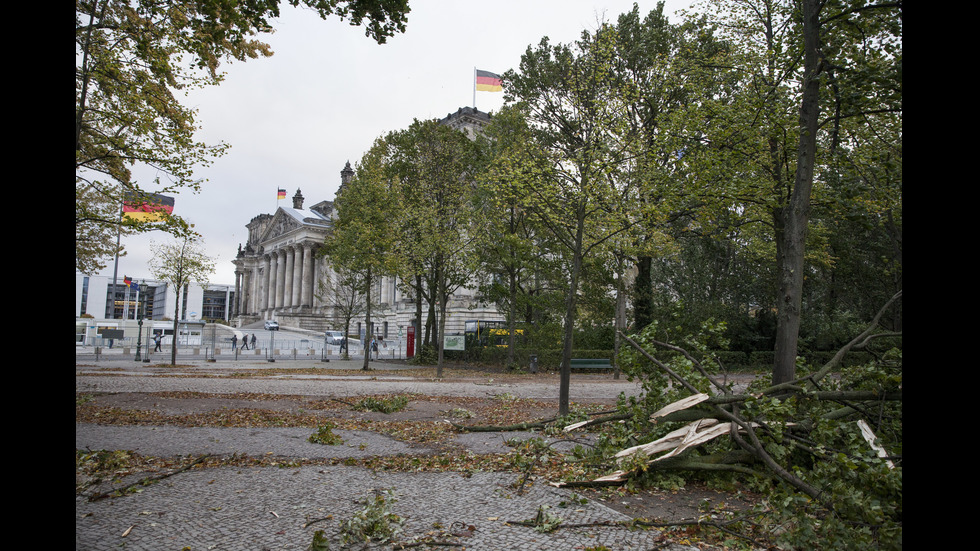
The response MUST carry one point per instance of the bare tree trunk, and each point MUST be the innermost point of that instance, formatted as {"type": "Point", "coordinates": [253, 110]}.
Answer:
{"type": "Point", "coordinates": [511, 318]}
{"type": "Point", "coordinates": [367, 321]}
{"type": "Point", "coordinates": [620, 323]}
{"type": "Point", "coordinates": [441, 299]}
{"type": "Point", "coordinates": [643, 293]}
{"type": "Point", "coordinates": [418, 315]}
{"type": "Point", "coordinates": [796, 215]}
{"type": "Point", "coordinates": [570, 310]}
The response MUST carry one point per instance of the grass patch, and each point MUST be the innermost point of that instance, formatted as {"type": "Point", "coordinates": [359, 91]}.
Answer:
{"type": "Point", "coordinates": [325, 435]}
{"type": "Point", "coordinates": [386, 404]}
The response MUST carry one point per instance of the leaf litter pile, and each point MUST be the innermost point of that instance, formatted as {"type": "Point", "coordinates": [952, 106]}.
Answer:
{"type": "Point", "coordinates": [423, 420]}
{"type": "Point", "coordinates": [429, 422]}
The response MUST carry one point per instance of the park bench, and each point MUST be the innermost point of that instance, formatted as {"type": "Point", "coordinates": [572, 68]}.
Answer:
{"type": "Point", "coordinates": [590, 363]}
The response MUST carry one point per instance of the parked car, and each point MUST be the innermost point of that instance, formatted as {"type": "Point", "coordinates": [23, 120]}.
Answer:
{"type": "Point", "coordinates": [334, 337]}
{"type": "Point", "coordinates": [272, 325]}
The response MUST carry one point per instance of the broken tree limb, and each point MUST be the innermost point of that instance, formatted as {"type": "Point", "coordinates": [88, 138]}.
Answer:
{"type": "Point", "coordinates": [684, 403]}
{"type": "Point", "coordinates": [694, 362]}
{"type": "Point", "coordinates": [729, 461]}
{"type": "Point", "coordinates": [872, 440]}
{"type": "Point", "coordinates": [147, 480]}
{"type": "Point", "coordinates": [736, 425]}
{"type": "Point", "coordinates": [676, 406]}
{"type": "Point", "coordinates": [504, 428]}
{"type": "Point", "coordinates": [856, 342]}
{"type": "Point", "coordinates": [541, 424]}
{"type": "Point", "coordinates": [662, 366]}
{"type": "Point", "coordinates": [597, 421]}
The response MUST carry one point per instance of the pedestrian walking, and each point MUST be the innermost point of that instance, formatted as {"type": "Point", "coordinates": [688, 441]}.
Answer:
{"type": "Point", "coordinates": [374, 347]}
{"type": "Point", "coordinates": [245, 341]}
{"type": "Point", "coordinates": [157, 339]}
{"type": "Point", "coordinates": [253, 341]}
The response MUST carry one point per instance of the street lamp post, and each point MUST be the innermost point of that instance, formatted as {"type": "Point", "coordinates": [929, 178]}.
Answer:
{"type": "Point", "coordinates": [140, 307]}
{"type": "Point", "coordinates": [272, 345]}
{"type": "Point", "coordinates": [146, 357]}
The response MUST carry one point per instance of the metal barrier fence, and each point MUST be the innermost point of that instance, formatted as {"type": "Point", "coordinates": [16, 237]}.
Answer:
{"type": "Point", "coordinates": [264, 348]}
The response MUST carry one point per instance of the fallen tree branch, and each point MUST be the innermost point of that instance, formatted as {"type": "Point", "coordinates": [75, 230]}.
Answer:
{"type": "Point", "coordinates": [147, 480]}
{"type": "Point", "coordinates": [857, 342]}
{"type": "Point", "coordinates": [505, 428]}
{"type": "Point", "coordinates": [541, 424]}
{"type": "Point", "coordinates": [716, 524]}
{"type": "Point", "coordinates": [597, 421]}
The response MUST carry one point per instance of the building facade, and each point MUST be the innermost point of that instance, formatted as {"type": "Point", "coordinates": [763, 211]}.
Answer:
{"type": "Point", "coordinates": [280, 275]}
{"type": "Point", "coordinates": [278, 270]}
{"type": "Point", "coordinates": [101, 305]}
{"type": "Point", "coordinates": [96, 297]}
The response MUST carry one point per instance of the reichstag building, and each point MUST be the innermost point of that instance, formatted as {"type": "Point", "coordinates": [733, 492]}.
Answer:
{"type": "Point", "coordinates": [280, 276]}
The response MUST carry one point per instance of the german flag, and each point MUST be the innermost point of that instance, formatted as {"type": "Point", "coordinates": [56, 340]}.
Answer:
{"type": "Point", "coordinates": [281, 194]}
{"type": "Point", "coordinates": [147, 207]}
{"type": "Point", "coordinates": [488, 82]}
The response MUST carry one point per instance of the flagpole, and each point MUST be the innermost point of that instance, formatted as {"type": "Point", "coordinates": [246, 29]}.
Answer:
{"type": "Point", "coordinates": [474, 88]}
{"type": "Point", "coordinates": [115, 263]}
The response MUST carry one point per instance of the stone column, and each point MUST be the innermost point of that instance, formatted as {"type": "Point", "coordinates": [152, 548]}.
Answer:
{"type": "Point", "coordinates": [307, 299]}
{"type": "Point", "coordinates": [246, 298]}
{"type": "Point", "coordinates": [297, 275]}
{"type": "Point", "coordinates": [287, 284]}
{"type": "Point", "coordinates": [267, 283]}
{"type": "Point", "coordinates": [280, 278]}
{"type": "Point", "coordinates": [237, 306]}
{"type": "Point", "coordinates": [273, 280]}
{"type": "Point", "coordinates": [318, 275]}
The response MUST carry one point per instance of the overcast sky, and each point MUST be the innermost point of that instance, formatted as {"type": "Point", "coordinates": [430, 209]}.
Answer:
{"type": "Point", "coordinates": [294, 119]}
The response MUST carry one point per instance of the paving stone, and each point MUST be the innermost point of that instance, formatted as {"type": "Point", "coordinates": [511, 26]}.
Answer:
{"type": "Point", "coordinates": [266, 508]}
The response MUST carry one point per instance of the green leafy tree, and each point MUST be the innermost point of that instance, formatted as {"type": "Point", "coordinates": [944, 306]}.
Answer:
{"type": "Point", "coordinates": [665, 68]}
{"type": "Point", "coordinates": [133, 58]}
{"type": "Point", "coordinates": [806, 73]}
{"type": "Point", "coordinates": [362, 241]}
{"type": "Point", "coordinates": [506, 241]}
{"type": "Point", "coordinates": [435, 166]}
{"type": "Point", "coordinates": [179, 264]}
{"type": "Point", "coordinates": [575, 109]}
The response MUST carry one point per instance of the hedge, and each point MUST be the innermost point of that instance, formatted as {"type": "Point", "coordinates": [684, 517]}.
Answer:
{"type": "Point", "coordinates": [759, 360]}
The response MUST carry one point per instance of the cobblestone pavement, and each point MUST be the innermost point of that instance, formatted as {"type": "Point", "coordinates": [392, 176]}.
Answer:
{"type": "Point", "coordinates": [266, 508]}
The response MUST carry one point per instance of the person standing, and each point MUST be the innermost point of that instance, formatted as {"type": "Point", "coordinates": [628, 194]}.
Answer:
{"type": "Point", "coordinates": [253, 341]}
{"type": "Point", "coordinates": [234, 341]}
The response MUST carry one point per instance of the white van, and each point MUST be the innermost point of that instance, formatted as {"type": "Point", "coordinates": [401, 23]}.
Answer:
{"type": "Point", "coordinates": [334, 337]}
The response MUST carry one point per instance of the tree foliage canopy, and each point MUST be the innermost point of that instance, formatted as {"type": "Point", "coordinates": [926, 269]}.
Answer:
{"type": "Point", "coordinates": [133, 58]}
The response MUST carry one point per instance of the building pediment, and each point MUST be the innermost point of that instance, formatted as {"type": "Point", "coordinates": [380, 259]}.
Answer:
{"type": "Point", "coordinates": [294, 224]}
{"type": "Point", "coordinates": [280, 226]}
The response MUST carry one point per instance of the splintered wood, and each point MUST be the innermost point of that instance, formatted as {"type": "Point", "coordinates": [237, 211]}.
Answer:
{"type": "Point", "coordinates": [691, 435]}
